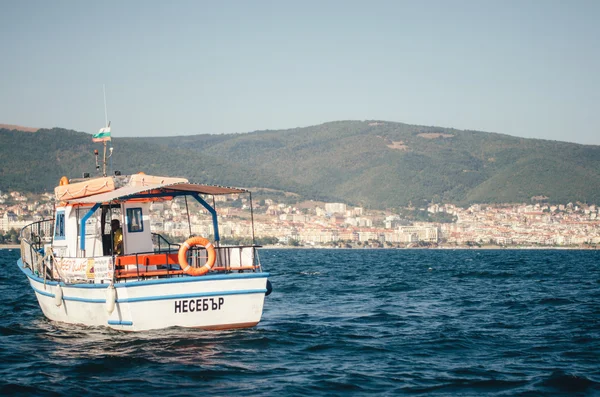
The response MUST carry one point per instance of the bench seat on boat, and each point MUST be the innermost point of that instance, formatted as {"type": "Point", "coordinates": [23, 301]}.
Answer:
{"type": "Point", "coordinates": [148, 273]}
{"type": "Point", "coordinates": [147, 260]}
{"type": "Point", "coordinates": [147, 265]}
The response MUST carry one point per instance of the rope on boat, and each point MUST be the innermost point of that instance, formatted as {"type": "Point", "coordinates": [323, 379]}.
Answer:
{"type": "Point", "coordinates": [83, 189]}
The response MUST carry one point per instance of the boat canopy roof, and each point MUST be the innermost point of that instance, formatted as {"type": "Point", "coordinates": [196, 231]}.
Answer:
{"type": "Point", "coordinates": [160, 190]}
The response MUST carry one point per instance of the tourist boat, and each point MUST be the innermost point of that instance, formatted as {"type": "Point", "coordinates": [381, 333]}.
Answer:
{"type": "Point", "coordinates": [83, 271]}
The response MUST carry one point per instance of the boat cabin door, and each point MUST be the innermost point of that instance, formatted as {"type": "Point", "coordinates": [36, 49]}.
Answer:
{"type": "Point", "coordinates": [137, 237]}
{"type": "Point", "coordinates": [109, 212]}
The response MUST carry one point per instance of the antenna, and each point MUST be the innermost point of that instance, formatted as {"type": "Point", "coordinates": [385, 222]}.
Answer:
{"type": "Point", "coordinates": [102, 136]}
{"type": "Point", "coordinates": [96, 154]}
{"type": "Point", "coordinates": [110, 157]}
{"type": "Point", "coordinates": [107, 126]}
{"type": "Point", "coordinates": [105, 111]}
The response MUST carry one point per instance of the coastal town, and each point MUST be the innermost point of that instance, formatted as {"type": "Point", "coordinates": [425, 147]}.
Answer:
{"type": "Point", "coordinates": [338, 225]}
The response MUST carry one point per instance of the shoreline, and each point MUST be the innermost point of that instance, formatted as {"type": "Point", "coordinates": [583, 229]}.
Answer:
{"type": "Point", "coordinates": [483, 248]}
{"type": "Point", "coordinates": [489, 247]}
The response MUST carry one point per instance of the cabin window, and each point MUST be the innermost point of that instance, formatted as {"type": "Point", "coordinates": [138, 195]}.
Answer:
{"type": "Point", "coordinates": [59, 226]}
{"type": "Point", "coordinates": [134, 220]}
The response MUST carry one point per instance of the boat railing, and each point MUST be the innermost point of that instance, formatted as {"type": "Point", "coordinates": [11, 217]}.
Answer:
{"type": "Point", "coordinates": [163, 261]}
{"type": "Point", "coordinates": [236, 258]}
{"type": "Point", "coordinates": [161, 244]}
{"type": "Point", "coordinates": [33, 237]}
{"type": "Point", "coordinates": [239, 258]}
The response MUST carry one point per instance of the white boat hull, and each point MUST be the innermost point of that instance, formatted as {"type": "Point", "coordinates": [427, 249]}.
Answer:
{"type": "Point", "coordinates": [221, 301]}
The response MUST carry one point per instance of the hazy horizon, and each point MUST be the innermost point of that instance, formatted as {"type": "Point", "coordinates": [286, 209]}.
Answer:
{"type": "Point", "coordinates": [285, 129]}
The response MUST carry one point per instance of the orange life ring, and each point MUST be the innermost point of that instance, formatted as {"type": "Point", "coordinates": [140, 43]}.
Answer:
{"type": "Point", "coordinates": [64, 181]}
{"type": "Point", "coordinates": [182, 256]}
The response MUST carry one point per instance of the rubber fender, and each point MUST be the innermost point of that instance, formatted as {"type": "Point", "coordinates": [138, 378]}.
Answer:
{"type": "Point", "coordinates": [111, 298]}
{"type": "Point", "coordinates": [58, 295]}
{"type": "Point", "coordinates": [269, 288]}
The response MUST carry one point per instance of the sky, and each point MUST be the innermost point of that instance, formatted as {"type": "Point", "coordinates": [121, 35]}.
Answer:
{"type": "Point", "coordinates": [527, 68]}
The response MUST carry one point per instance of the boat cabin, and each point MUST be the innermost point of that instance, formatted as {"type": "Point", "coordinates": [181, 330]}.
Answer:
{"type": "Point", "coordinates": [87, 246]}
{"type": "Point", "coordinates": [92, 224]}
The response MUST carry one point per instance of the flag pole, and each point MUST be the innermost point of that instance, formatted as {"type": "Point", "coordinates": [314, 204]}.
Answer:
{"type": "Point", "coordinates": [102, 136]}
{"type": "Point", "coordinates": [104, 162]}
{"type": "Point", "coordinates": [106, 120]}
{"type": "Point", "coordinates": [105, 111]}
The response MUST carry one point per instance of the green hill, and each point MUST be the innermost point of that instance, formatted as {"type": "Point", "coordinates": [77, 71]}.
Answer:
{"type": "Point", "coordinates": [370, 163]}
{"type": "Point", "coordinates": [36, 161]}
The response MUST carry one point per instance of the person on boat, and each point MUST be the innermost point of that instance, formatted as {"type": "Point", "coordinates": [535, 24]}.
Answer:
{"type": "Point", "coordinates": [117, 238]}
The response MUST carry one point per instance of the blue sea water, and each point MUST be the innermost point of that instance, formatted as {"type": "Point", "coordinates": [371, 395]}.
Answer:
{"type": "Point", "coordinates": [340, 322]}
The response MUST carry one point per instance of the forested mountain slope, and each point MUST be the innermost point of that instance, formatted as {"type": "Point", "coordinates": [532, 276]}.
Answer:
{"type": "Point", "coordinates": [371, 163]}
{"type": "Point", "coordinates": [386, 164]}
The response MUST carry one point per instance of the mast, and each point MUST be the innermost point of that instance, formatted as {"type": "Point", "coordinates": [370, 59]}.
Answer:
{"type": "Point", "coordinates": [105, 111]}
{"type": "Point", "coordinates": [104, 161]}
{"type": "Point", "coordinates": [107, 125]}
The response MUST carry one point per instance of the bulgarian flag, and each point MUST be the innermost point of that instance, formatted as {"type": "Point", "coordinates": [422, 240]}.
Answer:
{"type": "Point", "coordinates": [102, 136]}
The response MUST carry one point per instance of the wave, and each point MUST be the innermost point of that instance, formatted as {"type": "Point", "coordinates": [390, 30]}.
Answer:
{"type": "Point", "coordinates": [569, 383]}
{"type": "Point", "coordinates": [340, 322]}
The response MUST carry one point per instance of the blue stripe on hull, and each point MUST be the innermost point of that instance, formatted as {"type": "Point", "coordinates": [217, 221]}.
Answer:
{"type": "Point", "coordinates": [69, 298]}
{"type": "Point", "coordinates": [44, 293]}
{"type": "Point", "coordinates": [156, 297]}
{"type": "Point", "coordinates": [192, 295]}
{"type": "Point", "coordinates": [231, 276]}
{"type": "Point", "coordinates": [119, 322]}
